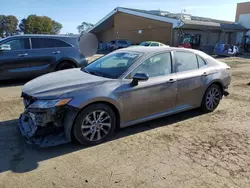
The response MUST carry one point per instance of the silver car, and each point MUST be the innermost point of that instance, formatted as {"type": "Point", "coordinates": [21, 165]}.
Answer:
{"type": "Point", "coordinates": [123, 88]}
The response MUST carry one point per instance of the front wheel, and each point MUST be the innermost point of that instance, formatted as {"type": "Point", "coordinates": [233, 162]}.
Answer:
{"type": "Point", "coordinates": [211, 98]}
{"type": "Point", "coordinates": [65, 65]}
{"type": "Point", "coordinates": [95, 124]}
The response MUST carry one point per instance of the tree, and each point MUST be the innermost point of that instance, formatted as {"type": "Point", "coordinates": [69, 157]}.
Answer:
{"type": "Point", "coordinates": [34, 24]}
{"type": "Point", "coordinates": [56, 27]}
{"type": "Point", "coordinates": [84, 27]}
{"type": "Point", "coordinates": [2, 25]}
{"type": "Point", "coordinates": [8, 25]}
{"type": "Point", "coordinates": [11, 25]}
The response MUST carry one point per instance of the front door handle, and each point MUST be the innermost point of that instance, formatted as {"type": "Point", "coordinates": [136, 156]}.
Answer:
{"type": "Point", "coordinates": [56, 52]}
{"type": "Point", "coordinates": [205, 74]}
{"type": "Point", "coordinates": [172, 80]}
{"type": "Point", "coordinates": [22, 55]}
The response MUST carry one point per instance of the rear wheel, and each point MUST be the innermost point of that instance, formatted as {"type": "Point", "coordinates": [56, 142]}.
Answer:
{"type": "Point", "coordinates": [211, 98]}
{"type": "Point", "coordinates": [65, 65]}
{"type": "Point", "coordinates": [95, 124]}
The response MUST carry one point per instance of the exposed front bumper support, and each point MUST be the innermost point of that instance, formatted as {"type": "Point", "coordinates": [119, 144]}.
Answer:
{"type": "Point", "coordinates": [28, 129]}
{"type": "Point", "coordinates": [57, 134]}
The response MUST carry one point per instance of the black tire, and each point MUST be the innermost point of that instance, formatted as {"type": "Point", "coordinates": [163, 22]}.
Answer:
{"type": "Point", "coordinates": [207, 101]}
{"type": "Point", "coordinates": [78, 131]}
{"type": "Point", "coordinates": [65, 65]}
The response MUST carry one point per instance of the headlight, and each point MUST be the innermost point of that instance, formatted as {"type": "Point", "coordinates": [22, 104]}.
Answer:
{"type": "Point", "coordinates": [49, 103]}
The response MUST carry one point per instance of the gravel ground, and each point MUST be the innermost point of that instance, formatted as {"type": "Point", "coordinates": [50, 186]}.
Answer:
{"type": "Point", "coordinates": [184, 150]}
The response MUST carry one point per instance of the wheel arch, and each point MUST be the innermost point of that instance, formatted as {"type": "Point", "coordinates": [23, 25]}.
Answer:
{"type": "Point", "coordinates": [217, 82]}
{"type": "Point", "coordinates": [70, 133]}
{"type": "Point", "coordinates": [60, 61]}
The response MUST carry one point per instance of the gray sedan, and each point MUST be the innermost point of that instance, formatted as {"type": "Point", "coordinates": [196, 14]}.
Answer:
{"type": "Point", "coordinates": [123, 88]}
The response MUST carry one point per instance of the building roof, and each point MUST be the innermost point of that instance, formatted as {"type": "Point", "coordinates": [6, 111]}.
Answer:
{"type": "Point", "coordinates": [136, 12]}
{"type": "Point", "coordinates": [233, 26]}
{"type": "Point", "coordinates": [212, 25]}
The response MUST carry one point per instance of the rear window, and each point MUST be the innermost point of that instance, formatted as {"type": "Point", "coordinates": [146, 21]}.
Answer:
{"type": "Point", "coordinates": [72, 41]}
{"type": "Point", "coordinates": [47, 43]}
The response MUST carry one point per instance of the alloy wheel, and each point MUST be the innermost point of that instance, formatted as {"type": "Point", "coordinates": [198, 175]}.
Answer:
{"type": "Point", "coordinates": [213, 98]}
{"type": "Point", "coordinates": [96, 125]}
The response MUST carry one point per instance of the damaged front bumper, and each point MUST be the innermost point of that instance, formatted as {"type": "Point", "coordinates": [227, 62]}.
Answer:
{"type": "Point", "coordinates": [47, 127]}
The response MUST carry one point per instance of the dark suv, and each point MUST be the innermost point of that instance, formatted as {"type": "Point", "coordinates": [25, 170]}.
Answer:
{"type": "Point", "coordinates": [118, 44]}
{"type": "Point", "coordinates": [33, 55]}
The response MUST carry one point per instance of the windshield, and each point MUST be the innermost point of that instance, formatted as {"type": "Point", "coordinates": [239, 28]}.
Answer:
{"type": "Point", "coordinates": [113, 65]}
{"type": "Point", "coordinates": [145, 44]}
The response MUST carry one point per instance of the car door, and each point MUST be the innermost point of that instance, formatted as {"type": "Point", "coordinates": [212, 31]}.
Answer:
{"type": "Point", "coordinates": [46, 54]}
{"type": "Point", "coordinates": [190, 79]}
{"type": "Point", "coordinates": [14, 61]}
{"type": "Point", "coordinates": [153, 97]}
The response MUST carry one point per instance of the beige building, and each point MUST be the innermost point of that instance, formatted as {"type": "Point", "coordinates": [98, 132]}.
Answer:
{"type": "Point", "coordinates": [133, 25]}
{"type": "Point", "coordinates": [141, 25]}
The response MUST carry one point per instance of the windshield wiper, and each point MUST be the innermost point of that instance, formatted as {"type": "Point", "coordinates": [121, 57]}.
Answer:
{"type": "Point", "coordinates": [90, 72]}
{"type": "Point", "coordinates": [94, 73]}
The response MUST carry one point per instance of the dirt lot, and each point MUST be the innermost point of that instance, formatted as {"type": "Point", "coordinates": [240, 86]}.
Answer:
{"type": "Point", "coordinates": [185, 150]}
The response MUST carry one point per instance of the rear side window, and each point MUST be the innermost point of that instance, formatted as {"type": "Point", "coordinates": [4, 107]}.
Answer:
{"type": "Point", "coordinates": [185, 61]}
{"type": "Point", "coordinates": [201, 62]}
{"type": "Point", "coordinates": [47, 43]}
{"type": "Point", "coordinates": [18, 44]}
{"type": "Point", "coordinates": [154, 44]}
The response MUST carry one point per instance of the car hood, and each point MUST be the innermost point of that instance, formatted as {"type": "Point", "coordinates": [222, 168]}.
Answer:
{"type": "Point", "coordinates": [55, 84]}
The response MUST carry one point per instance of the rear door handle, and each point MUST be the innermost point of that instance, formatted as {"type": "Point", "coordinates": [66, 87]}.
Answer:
{"type": "Point", "coordinates": [56, 52]}
{"type": "Point", "coordinates": [22, 55]}
{"type": "Point", "coordinates": [172, 80]}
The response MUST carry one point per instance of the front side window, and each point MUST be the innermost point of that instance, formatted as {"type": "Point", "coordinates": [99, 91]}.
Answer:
{"type": "Point", "coordinates": [158, 65]}
{"type": "Point", "coordinates": [47, 43]}
{"type": "Point", "coordinates": [145, 44]}
{"type": "Point", "coordinates": [113, 65]}
{"type": "Point", "coordinates": [185, 61]}
{"type": "Point", "coordinates": [18, 44]}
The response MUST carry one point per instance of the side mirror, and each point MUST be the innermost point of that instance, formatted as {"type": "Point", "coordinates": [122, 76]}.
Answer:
{"type": "Point", "coordinates": [139, 77]}
{"type": "Point", "coordinates": [4, 47]}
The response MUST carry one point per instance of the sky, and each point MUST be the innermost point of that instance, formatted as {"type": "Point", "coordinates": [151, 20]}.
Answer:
{"type": "Point", "coordinates": [71, 13]}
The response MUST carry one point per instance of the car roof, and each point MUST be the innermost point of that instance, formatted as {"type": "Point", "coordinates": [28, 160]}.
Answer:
{"type": "Point", "coordinates": [152, 41]}
{"type": "Point", "coordinates": [42, 35]}
{"type": "Point", "coordinates": [152, 50]}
